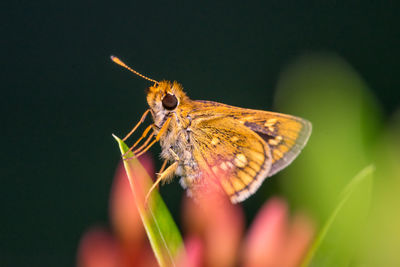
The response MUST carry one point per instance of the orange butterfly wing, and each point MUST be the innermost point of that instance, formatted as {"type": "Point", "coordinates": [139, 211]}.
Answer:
{"type": "Point", "coordinates": [286, 135]}
{"type": "Point", "coordinates": [231, 154]}
{"type": "Point", "coordinates": [265, 141]}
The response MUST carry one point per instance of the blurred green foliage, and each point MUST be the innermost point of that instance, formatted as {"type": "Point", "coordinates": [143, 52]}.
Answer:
{"type": "Point", "coordinates": [348, 134]}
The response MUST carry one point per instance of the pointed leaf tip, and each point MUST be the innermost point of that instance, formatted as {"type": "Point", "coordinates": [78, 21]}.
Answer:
{"type": "Point", "coordinates": [162, 232]}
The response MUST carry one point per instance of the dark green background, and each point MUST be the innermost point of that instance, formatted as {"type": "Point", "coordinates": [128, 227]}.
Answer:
{"type": "Point", "coordinates": [62, 97]}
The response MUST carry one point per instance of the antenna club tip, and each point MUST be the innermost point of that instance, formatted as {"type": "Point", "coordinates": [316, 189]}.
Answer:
{"type": "Point", "coordinates": [117, 60]}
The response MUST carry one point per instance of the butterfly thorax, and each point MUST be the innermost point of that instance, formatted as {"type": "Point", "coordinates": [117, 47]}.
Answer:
{"type": "Point", "coordinates": [175, 141]}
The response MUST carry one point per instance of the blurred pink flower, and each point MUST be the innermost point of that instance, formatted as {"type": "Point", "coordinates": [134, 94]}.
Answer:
{"type": "Point", "coordinates": [126, 245]}
{"type": "Point", "coordinates": [276, 240]}
{"type": "Point", "coordinates": [213, 231]}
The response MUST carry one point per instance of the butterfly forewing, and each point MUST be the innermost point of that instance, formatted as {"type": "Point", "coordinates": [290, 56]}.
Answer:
{"type": "Point", "coordinates": [286, 135]}
{"type": "Point", "coordinates": [231, 153]}
{"type": "Point", "coordinates": [242, 132]}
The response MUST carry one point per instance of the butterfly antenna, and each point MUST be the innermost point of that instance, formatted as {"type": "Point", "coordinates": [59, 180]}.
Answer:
{"type": "Point", "coordinates": [122, 64]}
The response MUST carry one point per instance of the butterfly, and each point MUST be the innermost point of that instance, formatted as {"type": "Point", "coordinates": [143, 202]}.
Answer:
{"type": "Point", "coordinates": [209, 143]}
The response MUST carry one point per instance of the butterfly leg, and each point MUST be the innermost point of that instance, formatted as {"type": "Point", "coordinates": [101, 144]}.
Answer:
{"type": "Point", "coordinates": [163, 166]}
{"type": "Point", "coordinates": [145, 143]}
{"type": "Point", "coordinates": [143, 136]}
{"type": "Point", "coordinates": [140, 152]}
{"type": "Point", "coordinates": [165, 175]}
{"type": "Point", "coordinates": [137, 125]}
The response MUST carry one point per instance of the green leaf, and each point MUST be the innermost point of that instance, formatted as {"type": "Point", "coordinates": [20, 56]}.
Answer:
{"type": "Point", "coordinates": [164, 236]}
{"type": "Point", "coordinates": [358, 183]}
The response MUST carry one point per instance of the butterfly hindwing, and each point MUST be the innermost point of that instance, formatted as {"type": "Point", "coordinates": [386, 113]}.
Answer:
{"type": "Point", "coordinates": [223, 134]}
{"type": "Point", "coordinates": [286, 136]}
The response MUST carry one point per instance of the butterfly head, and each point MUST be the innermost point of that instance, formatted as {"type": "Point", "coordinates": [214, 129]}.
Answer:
{"type": "Point", "coordinates": [165, 96]}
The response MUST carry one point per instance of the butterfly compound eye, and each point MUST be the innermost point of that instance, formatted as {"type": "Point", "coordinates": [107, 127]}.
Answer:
{"type": "Point", "coordinates": [169, 102]}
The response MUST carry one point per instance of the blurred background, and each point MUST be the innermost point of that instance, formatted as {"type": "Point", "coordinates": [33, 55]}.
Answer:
{"type": "Point", "coordinates": [62, 98]}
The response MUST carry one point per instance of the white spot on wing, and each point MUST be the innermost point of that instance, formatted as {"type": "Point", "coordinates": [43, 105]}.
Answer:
{"type": "Point", "coordinates": [224, 166]}
{"type": "Point", "coordinates": [240, 160]}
